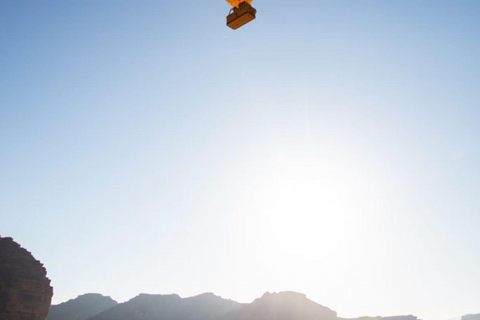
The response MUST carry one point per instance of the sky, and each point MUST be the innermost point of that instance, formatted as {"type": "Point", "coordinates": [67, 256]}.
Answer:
{"type": "Point", "coordinates": [328, 147]}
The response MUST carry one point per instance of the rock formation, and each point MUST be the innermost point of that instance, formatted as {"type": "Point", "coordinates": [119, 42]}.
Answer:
{"type": "Point", "coordinates": [25, 291]}
{"type": "Point", "coordinates": [81, 308]}
{"type": "Point", "coordinates": [471, 317]}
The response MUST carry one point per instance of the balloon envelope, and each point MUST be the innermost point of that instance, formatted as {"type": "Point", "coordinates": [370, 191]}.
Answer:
{"type": "Point", "coordinates": [235, 3]}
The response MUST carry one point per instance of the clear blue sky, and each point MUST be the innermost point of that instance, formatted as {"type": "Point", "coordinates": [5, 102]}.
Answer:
{"type": "Point", "coordinates": [329, 147]}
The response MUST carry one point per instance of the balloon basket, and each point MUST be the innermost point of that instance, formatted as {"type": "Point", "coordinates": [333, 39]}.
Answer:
{"type": "Point", "coordinates": [241, 15]}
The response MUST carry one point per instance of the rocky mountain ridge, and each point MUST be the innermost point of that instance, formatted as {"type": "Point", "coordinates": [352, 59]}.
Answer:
{"type": "Point", "coordinates": [81, 308]}
{"type": "Point", "coordinates": [271, 306]}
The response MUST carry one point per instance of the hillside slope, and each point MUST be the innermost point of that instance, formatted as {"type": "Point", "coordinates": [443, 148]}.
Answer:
{"type": "Point", "coordinates": [81, 308]}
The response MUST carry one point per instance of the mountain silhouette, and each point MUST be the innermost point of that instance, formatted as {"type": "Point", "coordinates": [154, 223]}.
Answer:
{"type": "Point", "coordinates": [81, 308]}
{"type": "Point", "coordinates": [206, 306]}
{"type": "Point", "coordinates": [286, 305]}
{"type": "Point", "coordinates": [471, 317]}
{"type": "Point", "coordinates": [408, 317]}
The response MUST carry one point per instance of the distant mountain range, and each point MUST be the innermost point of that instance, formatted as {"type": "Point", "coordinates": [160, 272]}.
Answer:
{"type": "Point", "coordinates": [271, 306]}
{"type": "Point", "coordinates": [81, 308]}
{"type": "Point", "coordinates": [171, 307]}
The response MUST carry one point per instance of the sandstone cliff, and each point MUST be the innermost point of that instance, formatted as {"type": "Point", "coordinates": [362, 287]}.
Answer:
{"type": "Point", "coordinates": [25, 291]}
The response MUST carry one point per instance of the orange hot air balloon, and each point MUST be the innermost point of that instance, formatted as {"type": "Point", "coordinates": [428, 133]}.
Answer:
{"type": "Point", "coordinates": [235, 3]}
{"type": "Point", "coordinates": [240, 14]}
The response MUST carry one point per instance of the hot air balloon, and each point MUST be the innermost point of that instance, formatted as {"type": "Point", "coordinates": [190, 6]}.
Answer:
{"type": "Point", "coordinates": [240, 14]}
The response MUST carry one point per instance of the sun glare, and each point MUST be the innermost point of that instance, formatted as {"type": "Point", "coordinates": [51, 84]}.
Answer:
{"type": "Point", "coordinates": [306, 204]}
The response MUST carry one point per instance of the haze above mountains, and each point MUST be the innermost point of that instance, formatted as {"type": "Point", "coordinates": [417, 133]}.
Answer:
{"type": "Point", "coordinates": [207, 306]}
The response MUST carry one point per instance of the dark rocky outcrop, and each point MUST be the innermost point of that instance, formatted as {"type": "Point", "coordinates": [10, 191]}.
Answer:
{"type": "Point", "coordinates": [471, 317]}
{"type": "Point", "coordinates": [25, 291]}
{"type": "Point", "coordinates": [81, 308]}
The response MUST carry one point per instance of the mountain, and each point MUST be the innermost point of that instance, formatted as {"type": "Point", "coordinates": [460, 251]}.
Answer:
{"type": "Point", "coordinates": [471, 317]}
{"type": "Point", "coordinates": [81, 308]}
{"type": "Point", "coordinates": [285, 306]}
{"type": "Point", "coordinates": [271, 306]}
{"type": "Point", "coordinates": [206, 306]}
{"type": "Point", "coordinates": [409, 317]}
